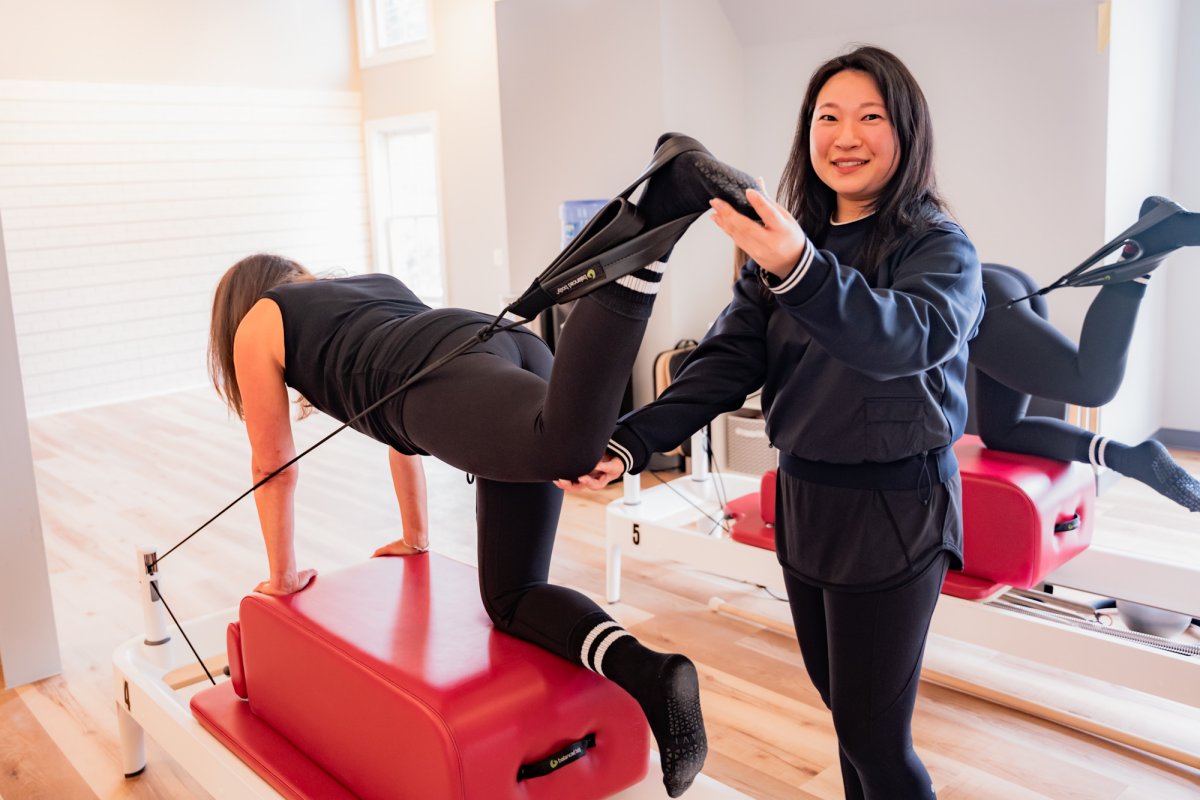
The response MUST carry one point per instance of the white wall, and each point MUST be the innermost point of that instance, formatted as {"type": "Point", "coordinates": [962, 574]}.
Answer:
{"type": "Point", "coordinates": [1019, 140]}
{"type": "Point", "coordinates": [581, 108]}
{"type": "Point", "coordinates": [459, 84]}
{"type": "Point", "coordinates": [147, 146]}
{"type": "Point", "coordinates": [586, 90]}
{"type": "Point", "coordinates": [1181, 406]}
{"type": "Point", "coordinates": [704, 78]}
{"type": "Point", "coordinates": [297, 44]}
{"type": "Point", "coordinates": [1141, 127]}
{"type": "Point", "coordinates": [28, 642]}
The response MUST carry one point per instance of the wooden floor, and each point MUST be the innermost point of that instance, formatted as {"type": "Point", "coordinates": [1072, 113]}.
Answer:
{"type": "Point", "coordinates": [147, 473]}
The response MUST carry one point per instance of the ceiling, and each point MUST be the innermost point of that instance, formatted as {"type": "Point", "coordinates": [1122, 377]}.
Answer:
{"type": "Point", "coordinates": [772, 21]}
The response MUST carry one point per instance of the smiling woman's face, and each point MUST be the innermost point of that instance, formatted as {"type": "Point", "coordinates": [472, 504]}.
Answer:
{"type": "Point", "coordinates": [852, 143]}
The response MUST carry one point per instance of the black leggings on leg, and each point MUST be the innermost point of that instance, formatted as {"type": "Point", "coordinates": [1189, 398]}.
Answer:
{"type": "Point", "coordinates": [863, 653]}
{"type": "Point", "coordinates": [1018, 353]}
{"type": "Point", "coordinates": [517, 418]}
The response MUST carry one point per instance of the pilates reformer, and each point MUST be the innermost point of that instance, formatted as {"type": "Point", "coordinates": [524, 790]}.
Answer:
{"type": "Point", "coordinates": [473, 713]}
{"type": "Point", "coordinates": [1039, 516]}
{"type": "Point", "coordinates": [485, 695]}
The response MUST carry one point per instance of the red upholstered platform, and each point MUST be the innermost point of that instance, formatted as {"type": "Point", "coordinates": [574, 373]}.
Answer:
{"type": "Point", "coordinates": [753, 515]}
{"type": "Point", "coordinates": [387, 680]}
{"type": "Point", "coordinates": [1022, 517]}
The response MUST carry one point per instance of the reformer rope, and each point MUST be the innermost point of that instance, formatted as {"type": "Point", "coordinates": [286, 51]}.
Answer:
{"type": "Point", "coordinates": [163, 600]}
{"type": "Point", "coordinates": [482, 336]}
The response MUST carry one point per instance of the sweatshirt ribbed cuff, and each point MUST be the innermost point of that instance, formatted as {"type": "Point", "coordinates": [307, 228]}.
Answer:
{"type": "Point", "coordinates": [625, 446]}
{"type": "Point", "coordinates": [792, 279]}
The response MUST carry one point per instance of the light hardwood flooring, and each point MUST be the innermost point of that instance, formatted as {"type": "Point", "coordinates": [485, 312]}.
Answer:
{"type": "Point", "coordinates": [148, 472]}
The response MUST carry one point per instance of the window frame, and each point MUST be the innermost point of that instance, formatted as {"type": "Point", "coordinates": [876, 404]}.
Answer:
{"type": "Point", "coordinates": [370, 54]}
{"type": "Point", "coordinates": [379, 190]}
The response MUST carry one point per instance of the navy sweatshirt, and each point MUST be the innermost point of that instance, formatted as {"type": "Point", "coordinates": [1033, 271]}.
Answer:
{"type": "Point", "coordinates": [852, 372]}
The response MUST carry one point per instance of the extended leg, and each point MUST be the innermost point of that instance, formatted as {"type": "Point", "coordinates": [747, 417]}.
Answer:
{"type": "Point", "coordinates": [1025, 352]}
{"type": "Point", "coordinates": [494, 414]}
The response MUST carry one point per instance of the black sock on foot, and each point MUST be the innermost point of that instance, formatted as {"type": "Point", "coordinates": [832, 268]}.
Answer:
{"type": "Point", "coordinates": [1150, 463]}
{"type": "Point", "coordinates": [667, 688]}
{"type": "Point", "coordinates": [687, 184]}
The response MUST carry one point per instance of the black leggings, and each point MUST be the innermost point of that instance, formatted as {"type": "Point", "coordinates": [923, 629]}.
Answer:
{"type": "Point", "coordinates": [517, 418]}
{"type": "Point", "coordinates": [1018, 353]}
{"type": "Point", "coordinates": [863, 653]}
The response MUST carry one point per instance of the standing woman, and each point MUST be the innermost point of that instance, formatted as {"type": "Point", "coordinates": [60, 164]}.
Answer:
{"type": "Point", "coordinates": [853, 316]}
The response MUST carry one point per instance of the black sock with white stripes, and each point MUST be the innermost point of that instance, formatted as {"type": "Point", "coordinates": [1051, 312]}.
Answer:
{"type": "Point", "coordinates": [1150, 463]}
{"type": "Point", "coordinates": [665, 685]}
{"type": "Point", "coordinates": [633, 295]}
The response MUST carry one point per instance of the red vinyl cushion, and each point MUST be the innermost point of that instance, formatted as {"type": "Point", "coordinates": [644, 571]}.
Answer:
{"type": "Point", "coordinates": [233, 646]}
{"type": "Point", "coordinates": [767, 491]}
{"type": "Point", "coordinates": [753, 515]}
{"type": "Point", "coordinates": [748, 525]}
{"type": "Point", "coordinates": [1011, 504]}
{"type": "Point", "coordinates": [293, 774]}
{"type": "Point", "coordinates": [390, 677]}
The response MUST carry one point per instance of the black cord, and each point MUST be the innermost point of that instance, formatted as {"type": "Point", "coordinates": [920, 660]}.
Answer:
{"type": "Point", "coordinates": [482, 336]}
{"type": "Point", "coordinates": [203, 666]}
{"type": "Point", "coordinates": [719, 481]}
{"type": "Point", "coordinates": [719, 522]}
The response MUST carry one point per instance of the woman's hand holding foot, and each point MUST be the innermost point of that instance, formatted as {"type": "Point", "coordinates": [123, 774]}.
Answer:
{"type": "Point", "coordinates": [607, 470]}
{"type": "Point", "coordinates": [776, 244]}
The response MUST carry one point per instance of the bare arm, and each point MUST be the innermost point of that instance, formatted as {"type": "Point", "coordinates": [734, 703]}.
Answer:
{"type": "Point", "coordinates": [408, 479]}
{"type": "Point", "coordinates": [258, 361]}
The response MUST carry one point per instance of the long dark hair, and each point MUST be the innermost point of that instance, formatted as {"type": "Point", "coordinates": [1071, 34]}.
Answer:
{"type": "Point", "coordinates": [910, 201]}
{"type": "Point", "coordinates": [240, 288]}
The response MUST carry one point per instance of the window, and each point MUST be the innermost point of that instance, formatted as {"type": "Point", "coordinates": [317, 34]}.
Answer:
{"type": "Point", "coordinates": [393, 30]}
{"type": "Point", "coordinates": [405, 203]}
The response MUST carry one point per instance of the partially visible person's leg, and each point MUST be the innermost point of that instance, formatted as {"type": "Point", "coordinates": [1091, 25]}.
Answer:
{"type": "Point", "coordinates": [808, 615]}
{"type": "Point", "coordinates": [1022, 350]}
{"type": "Point", "coordinates": [1018, 353]}
{"type": "Point", "coordinates": [493, 413]}
{"type": "Point", "coordinates": [876, 644]}
{"type": "Point", "coordinates": [517, 523]}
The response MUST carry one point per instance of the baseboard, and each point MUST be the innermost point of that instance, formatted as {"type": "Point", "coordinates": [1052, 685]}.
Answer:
{"type": "Point", "coordinates": [1174, 437]}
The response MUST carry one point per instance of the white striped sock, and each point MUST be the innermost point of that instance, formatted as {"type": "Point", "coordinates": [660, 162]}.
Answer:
{"type": "Point", "coordinates": [633, 282]}
{"type": "Point", "coordinates": [591, 637]}
{"type": "Point", "coordinates": [603, 648]}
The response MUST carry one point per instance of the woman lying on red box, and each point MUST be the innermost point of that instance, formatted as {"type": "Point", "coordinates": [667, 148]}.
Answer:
{"type": "Point", "coordinates": [1018, 353]}
{"type": "Point", "coordinates": [506, 412]}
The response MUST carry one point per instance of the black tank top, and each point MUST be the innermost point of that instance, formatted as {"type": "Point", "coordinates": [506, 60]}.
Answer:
{"type": "Point", "coordinates": [349, 341]}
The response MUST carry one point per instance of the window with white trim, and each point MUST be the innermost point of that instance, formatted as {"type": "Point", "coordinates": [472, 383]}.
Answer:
{"type": "Point", "coordinates": [406, 204]}
{"type": "Point", "coordinates": [393, 30]}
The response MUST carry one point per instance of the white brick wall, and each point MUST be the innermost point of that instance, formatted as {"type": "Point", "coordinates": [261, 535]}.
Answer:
{"type": "Point", "coordinates": [123, 204]}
